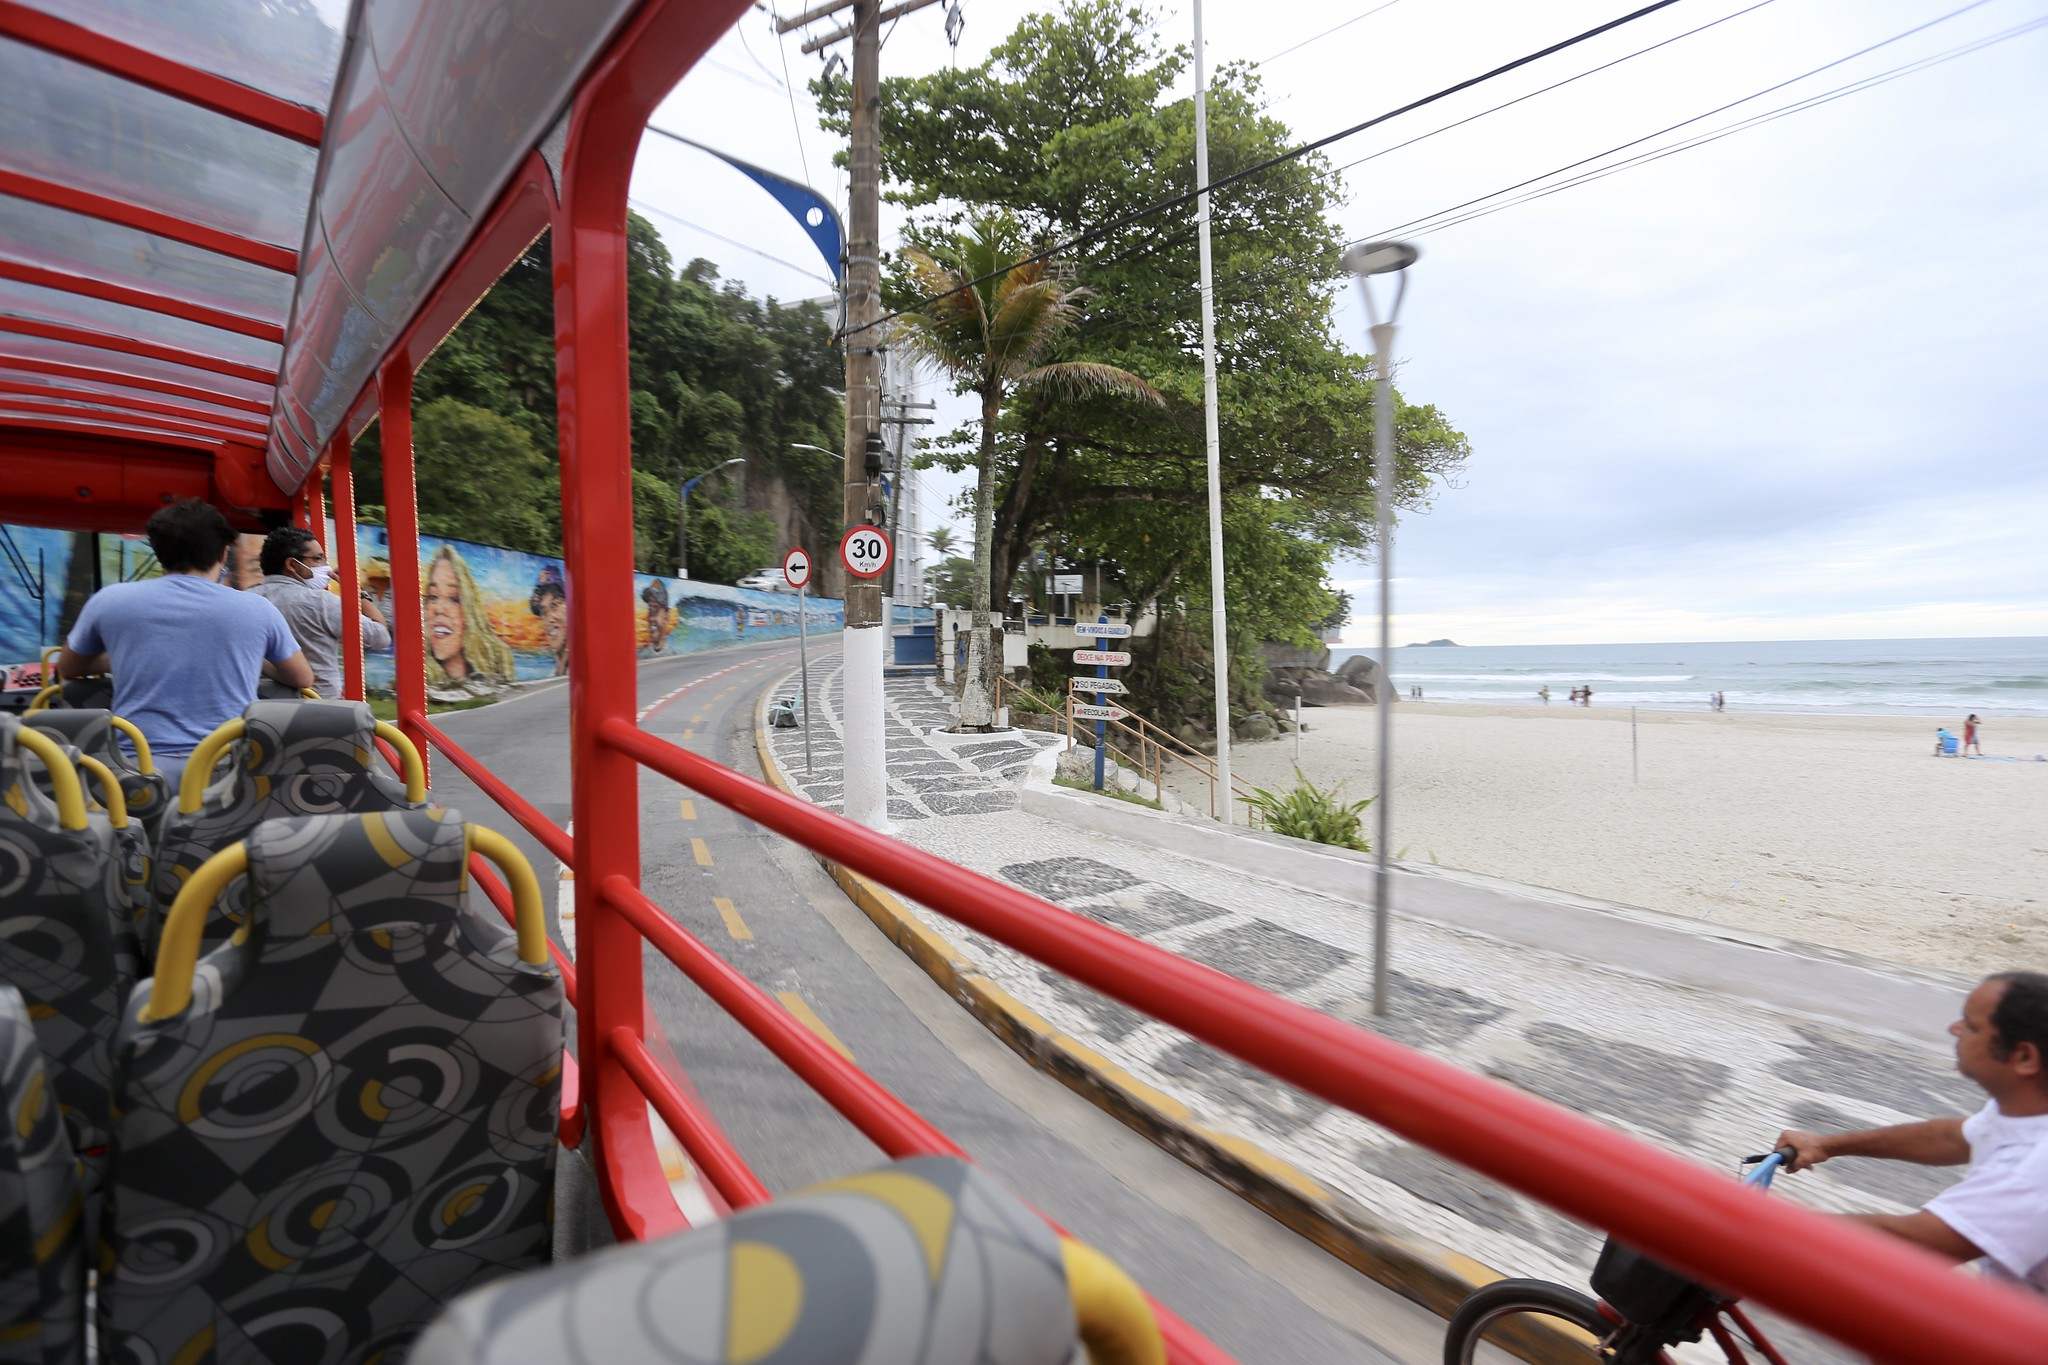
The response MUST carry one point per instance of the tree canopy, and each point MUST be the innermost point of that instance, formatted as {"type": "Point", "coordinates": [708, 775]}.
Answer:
{"type": "Point", "coordinates": [716, 374]}
{"type": "Point", "coordinates": [1070, 124]}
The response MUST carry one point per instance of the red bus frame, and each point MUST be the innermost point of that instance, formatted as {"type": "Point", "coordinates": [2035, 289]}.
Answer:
{"type": "Point", "coordinates": [1867, 1291]}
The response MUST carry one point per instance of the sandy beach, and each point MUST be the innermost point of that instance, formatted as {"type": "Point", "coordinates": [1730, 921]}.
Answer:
{"type": "Point", "coordinates": [1842, 831]}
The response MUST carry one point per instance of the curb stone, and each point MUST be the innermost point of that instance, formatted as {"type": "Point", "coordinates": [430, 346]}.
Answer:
{"type": "Point", "coordinates": [1430, 1274]}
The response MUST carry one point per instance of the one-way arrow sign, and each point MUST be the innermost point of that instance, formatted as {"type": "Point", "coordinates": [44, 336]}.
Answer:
{"type": "Point", "coordinates": [1109, 685]}
{"type": "Point", "coordinates": [1087, 711]}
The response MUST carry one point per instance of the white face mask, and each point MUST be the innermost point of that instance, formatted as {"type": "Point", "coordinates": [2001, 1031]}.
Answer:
{"type": "Point", "coordinates": [321, 574]}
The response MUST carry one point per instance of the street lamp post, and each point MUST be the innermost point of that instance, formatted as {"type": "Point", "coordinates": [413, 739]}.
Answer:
{"type": "Point", "coordinates": [1366, 260]}
{"type": "Point", "coordinates": [683, 515]}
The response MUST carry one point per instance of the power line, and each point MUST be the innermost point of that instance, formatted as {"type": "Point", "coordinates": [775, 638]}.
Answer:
{"type": "Point", "coordinates": [795, 125]}
{"type": "Point", "coordinates": [1263, 61]}
{"type": "Point", "coordinates": [1174, 201]}
{"type": "Point", "coordinates": [1554, 85]}
{"type": "Point", "coordinates": [699, 227]}
{"type": "Point", "coordinates": [1756, 120]}
{"type": "Point", "coordinates": [1573, 165]}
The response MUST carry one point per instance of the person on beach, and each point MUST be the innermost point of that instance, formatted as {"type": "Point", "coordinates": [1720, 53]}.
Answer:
{"type": "Point", "coordinates": [1944, 743]}
{"type": "Point", "coordinates": [1998, 1211]}
{"type": "Point", "coordinates": [1586, 696]}
{"type": "Point", "coordinates": [1970, 736]}
{"type": "Point", "coordinates": [1544, 692]}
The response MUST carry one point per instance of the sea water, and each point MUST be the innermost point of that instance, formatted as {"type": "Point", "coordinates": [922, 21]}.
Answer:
{"type": "Point", "coordinates": [1992, 677]}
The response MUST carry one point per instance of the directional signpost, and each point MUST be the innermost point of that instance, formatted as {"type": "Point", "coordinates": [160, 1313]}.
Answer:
{"type": "Point", "coordinates": [796, 571]}
{"type": "Point", "coordinates": [1102, 685]}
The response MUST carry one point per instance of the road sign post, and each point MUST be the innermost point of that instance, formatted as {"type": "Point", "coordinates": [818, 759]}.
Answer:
{"type": "Point", "coordinates": [796, 571]}
{"type": "Point", "coordinates": [1102, 639]}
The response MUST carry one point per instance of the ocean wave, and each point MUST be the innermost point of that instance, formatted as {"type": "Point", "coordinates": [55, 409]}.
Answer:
{"type": "Point", "coordinates": [1550, 675]}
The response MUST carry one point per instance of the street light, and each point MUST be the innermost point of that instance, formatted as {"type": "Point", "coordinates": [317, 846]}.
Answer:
{"type": "Point", "coordinates": [683, 515]}
{"type": "Point", "coordinates": [1366, 260]}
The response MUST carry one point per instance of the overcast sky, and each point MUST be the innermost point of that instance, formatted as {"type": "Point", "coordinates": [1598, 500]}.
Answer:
{"type": "Point", "coordinates": [1787, 385]}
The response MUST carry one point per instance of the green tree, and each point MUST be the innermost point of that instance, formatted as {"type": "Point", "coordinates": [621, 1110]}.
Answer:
{"type": "Point", "coordinates": [941, 540]}
{"type": "Point", "coordinates": [993, 332]}
{"type": "Point", "coordinates": [1072, 123]}
{"type": "Point", "coordinates": [951, 580]}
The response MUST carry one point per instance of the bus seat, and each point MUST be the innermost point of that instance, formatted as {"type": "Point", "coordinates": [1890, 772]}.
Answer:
{"type": "Point", "coordinates": [342, 1117]}
{"type": "Point", "coordinates": [42, 1200]}
{"type": "Point", "coordinates": [58, 943]}
{"type": "Point", "coordinates": [926, 1260]}
{"type": "Point", "coordinates": [128, 867]}
{"type": "Point", "coordinates": [289, 758]}
{"type": "Point", "coordinates": [98, 733]}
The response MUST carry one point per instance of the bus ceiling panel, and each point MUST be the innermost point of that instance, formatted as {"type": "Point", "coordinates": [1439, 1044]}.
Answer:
{"type": "Point", "coordinates": [47, 387]}
{"type": "Point", "coordinates": [389, 228]}
{"type": "Point", "coordinates": [475, 84]}
{"type": "Point", "coordinates": [12, 417]}
{"type": "Point", "coordinates": [289, 51]}
{"type": "Point", "coordinates": [39, 355]}
{"type": "Point", "coordinates": [80, 482]}
{"type": "Point", "coordinates": [335, 346]}
{"type": "Point", "coordinates": [57, 239]}
{"type": "Point", "coordinates": [94, 287]}
{"type": "Point", "coordinates": [118, 355]}
{"type": "Point", "coordinates": [21, 299]}
{"type": "Point", "coordinates": [85, 409]}
{"type": "Point", "coordinates": [64, 121]}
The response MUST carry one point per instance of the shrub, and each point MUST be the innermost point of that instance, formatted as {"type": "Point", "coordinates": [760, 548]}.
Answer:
{"type": "Point", "coordinates": [1309, 812]}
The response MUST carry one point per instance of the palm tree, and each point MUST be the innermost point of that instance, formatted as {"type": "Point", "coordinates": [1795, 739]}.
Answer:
{"type": "Point", "coordinates": [990, 329]}
{"type": "Point", "coordinates": [941, 540]}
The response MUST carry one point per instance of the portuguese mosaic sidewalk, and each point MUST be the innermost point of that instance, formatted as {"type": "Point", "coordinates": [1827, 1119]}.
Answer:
{"type": "Point", "coordinates": [1688, 1070]}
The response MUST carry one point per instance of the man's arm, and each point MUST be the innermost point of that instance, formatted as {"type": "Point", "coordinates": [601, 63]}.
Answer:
{"type": "Point", "coordinates": [1931, 1142]}
{"type": "Point", "coordinates": [292, 672]}
{"type": "Point", "coordinates": [72, 664]}
{"type": "Point", "coordinates": [1922, 1229]}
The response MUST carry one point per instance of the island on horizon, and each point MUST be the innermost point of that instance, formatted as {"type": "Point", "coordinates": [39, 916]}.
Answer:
{"type": "Point", "coordinates": [1432, 644]}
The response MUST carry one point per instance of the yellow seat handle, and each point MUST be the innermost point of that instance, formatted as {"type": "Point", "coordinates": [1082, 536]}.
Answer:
{"type": "Point", "coordinates": [199, 767]}
{"type": "Point", "coordinates": [177, 954]}
{"type": "Point", "coordinates": [528, 915]}
{"type": "Point", "coordinates": [41, 700]}
{"type": "Point", "coordinates": [1115, 1321]}
{"type": "Point", "coordinates": [111, 795]}
{"type": "Point", "coordinates": [50, 653]}
{"type": "Point", "coordinates": [410, 763]}
{"type": "Point", "coordinates": [64, 784]}
{"type": "Point", "coordinates": [144, 764]}
{"type": "Point", "coordinates": [308, 694]}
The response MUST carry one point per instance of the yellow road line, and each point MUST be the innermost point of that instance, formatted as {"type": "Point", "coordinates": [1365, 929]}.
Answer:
{"type": "Point", "coordinates": [697, 719]}
{"type": "Point", "coordinates": [689, 809]}
{"type": "Point", "coordinates": [808, 1017]}
{"type": "Point", "coordinates": [700, 852]}
{"type": "Point", "coordinates": [734, 925]}
{"type": "Point", "coordinates": [689, 733]}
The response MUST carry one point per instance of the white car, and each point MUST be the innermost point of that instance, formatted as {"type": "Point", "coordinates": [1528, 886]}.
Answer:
{"type": "Point", "coordinates": [767, 580]}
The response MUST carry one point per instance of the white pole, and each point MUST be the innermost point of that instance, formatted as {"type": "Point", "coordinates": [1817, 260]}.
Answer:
{"type": "Point", "coordinates": [1383, 695]}
{"type": "Point", "coordinates": [803, 663]}
{"type": "Point", "coordinates": [1219, 633]}
{"type": "Point", "coordinates": [1297, 729]}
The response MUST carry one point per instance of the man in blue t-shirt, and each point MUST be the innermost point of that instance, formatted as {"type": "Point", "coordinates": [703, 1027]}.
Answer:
{"type": "Point", "coordinates": [185, 649]}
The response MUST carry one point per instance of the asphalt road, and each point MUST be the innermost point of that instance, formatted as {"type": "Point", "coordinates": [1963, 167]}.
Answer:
{"type": "Point", "coordinates": [1254, 1287]}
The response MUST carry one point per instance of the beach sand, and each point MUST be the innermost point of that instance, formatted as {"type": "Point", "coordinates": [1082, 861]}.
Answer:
{"type": "Point", "coordinates": [1842, 831]}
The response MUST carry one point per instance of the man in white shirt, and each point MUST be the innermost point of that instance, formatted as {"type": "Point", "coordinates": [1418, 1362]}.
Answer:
{"type": "Point", "coordinates": [1999, 1210]}
{"type": "Point", "coordinates": [295, 577]}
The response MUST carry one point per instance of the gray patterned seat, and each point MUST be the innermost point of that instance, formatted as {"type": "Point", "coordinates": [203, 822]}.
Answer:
{"type": "Point", "coordinates": [928, 1260]}
{"type": "Point", "coordinates": [350, 1120]}
{"type": "Point", "coordinates": [292, 758]}
{"type": "Point", "coordinates": [58, 941]}
{"type": "Point", "coordinates": [97, 733]}
{"type": "Point", "coordinates": [42, 1199]}
{"type": "Point", "coordinates": [128, 882]}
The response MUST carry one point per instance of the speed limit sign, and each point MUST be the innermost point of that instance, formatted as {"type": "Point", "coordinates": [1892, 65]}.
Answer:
{"type": "Point", "coordinates": [865, 551]}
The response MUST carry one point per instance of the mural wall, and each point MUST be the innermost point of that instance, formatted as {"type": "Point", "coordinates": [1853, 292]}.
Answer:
{"type": "Point", "coordinates": [492, 616]}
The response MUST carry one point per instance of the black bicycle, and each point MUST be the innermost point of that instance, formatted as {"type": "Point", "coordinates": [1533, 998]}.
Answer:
{"type": "Point", "coordinates": [1643, 1307]}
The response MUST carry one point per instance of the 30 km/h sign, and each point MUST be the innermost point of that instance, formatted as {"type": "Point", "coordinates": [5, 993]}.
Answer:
{"type": "Point", "coordinates": [864, 551]}
{"type": "Point", "coordinates": [1108, 685]}
{"type": "Point", "coordinates": [1103, 630]}
{"type": "Point", "coordinates": [1115, 658]}
{"type": "Point", "coordinates": [1087, 711]}
{"type": "Point", "coordinates": [796, 568]}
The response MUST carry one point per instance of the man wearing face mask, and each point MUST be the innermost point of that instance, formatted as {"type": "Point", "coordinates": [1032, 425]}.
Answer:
{"type": "Point", "coordinates": [295, 576]}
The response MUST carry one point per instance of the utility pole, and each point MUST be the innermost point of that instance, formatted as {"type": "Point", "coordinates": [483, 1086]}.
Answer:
{"type": "Point", "coordinates": [1219, 628]}
{"type": "Point", "coordinates": [866, 784]}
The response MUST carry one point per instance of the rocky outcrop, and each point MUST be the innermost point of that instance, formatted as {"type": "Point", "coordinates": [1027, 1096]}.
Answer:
{"type": "Point", "coordinates": [1304, 673]}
